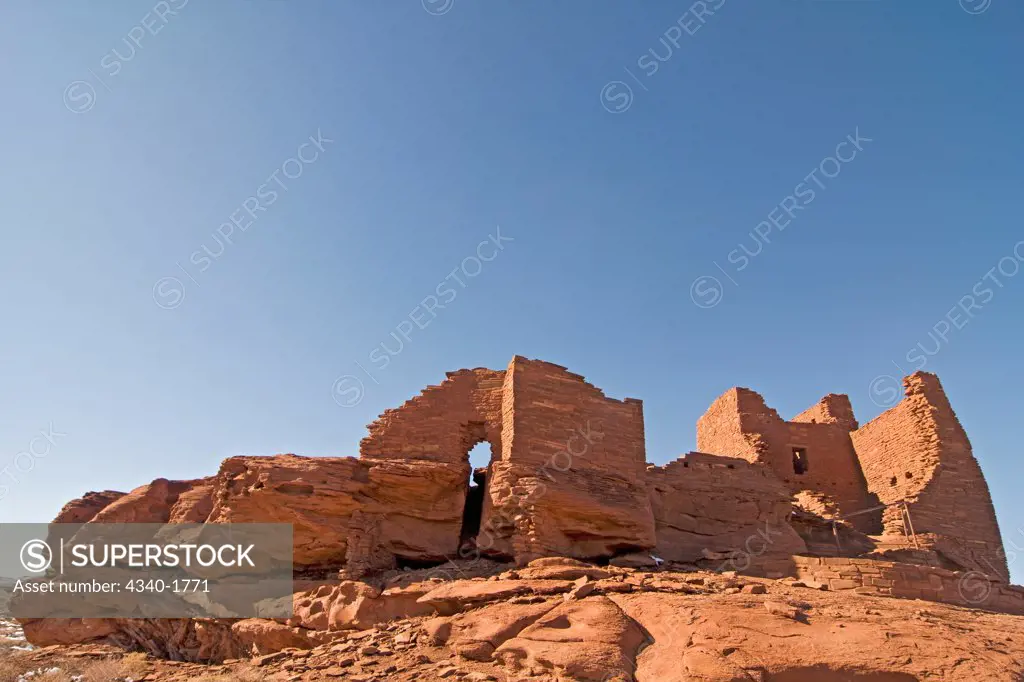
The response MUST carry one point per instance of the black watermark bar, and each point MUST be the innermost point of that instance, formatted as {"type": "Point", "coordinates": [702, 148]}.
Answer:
{"type": "Point", "coordinates": [146, 570]}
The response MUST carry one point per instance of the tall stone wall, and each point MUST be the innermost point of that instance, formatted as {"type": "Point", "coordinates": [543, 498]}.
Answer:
{"type": "Point", "coordinates": [740, 424]}
{"type": "Point", "coordinates": [571, 476]}
{"type": "Point", "coordinates": [917, 451]}
{"type": "Point", "coordinates": [708, 503]}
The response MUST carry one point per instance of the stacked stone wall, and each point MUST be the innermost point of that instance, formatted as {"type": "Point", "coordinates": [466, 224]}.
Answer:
{"type": "Point", "coordinates": [571, 477]}
{"type": "Point", "coordinates": [910, 581]}
{"type": "Point", "coordinates": [917, 451]}
{"type": "Point", "coordinates": [740, 424]}
{"type": "Point", "coordinates": [706, 504]}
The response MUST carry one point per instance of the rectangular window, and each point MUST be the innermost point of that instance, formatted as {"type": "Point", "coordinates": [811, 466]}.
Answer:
{"type": "Point", "coordinates": [800, 460]}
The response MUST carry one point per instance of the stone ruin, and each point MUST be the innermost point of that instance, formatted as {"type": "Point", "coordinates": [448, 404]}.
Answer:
{"type": "Point", "coordinates": [895, 507]}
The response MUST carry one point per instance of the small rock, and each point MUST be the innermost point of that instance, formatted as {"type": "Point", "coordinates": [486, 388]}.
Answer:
{"type": "Point", "coordinates": [581, 588]}
{"type": "Point", "coordinates": [260, 661]}
{"type": "Point", "coordinates": [780, 609]}
{"type": "Point", "coordinates": [755, 589]}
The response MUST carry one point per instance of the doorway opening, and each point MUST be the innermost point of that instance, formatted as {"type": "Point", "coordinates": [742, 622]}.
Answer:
{"type": "Point", "coordinates": [479, 460]}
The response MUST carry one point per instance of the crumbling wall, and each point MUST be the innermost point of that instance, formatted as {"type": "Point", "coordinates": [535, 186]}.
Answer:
{"type": "Point", "coordinates": [442, 423]}
{"type": "Point", "coordinates": [740, 424]}
{"type": "Point", "coordinates": [917, 451]}
{"type": "Point", "coordinates": [725, 429]}
{"type": "Point", "coordinates": [570, 480]}
{"type": "Point", "coordinates": [834, 408]}
{"type": "Point", "coordinates": [707, 504]}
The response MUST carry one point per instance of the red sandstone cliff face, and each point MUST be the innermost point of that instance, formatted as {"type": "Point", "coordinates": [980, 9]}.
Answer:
{"type": "Point", "coordinates": [86, 507]}
{"type": "Point", "coordinates": [151, 503]}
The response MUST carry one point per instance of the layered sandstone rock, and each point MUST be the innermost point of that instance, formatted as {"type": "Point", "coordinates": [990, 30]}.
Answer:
{"type": "Point", "coordinates": [359, 513]}
{"type": "Point", "coordinates": [86, 507]}
{"type": "Point", "coordinates": [705, 503]}
{"type": "Point", "coordinates": [151, 503]}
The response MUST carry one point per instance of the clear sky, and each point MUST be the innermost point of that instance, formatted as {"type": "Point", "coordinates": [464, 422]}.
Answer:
{"type": "Point", "coordinates": [628, 152]}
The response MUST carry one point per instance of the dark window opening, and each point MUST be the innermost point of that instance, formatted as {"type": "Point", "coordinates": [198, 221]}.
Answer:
{"type": "Point", "coordinates": [800, 460]}
{"type": "Point", "coordinates": [892, 481]}
{"type": "Point", "coordinates": [909, 475]}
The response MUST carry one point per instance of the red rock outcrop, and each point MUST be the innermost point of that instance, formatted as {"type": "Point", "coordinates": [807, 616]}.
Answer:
{"type": "Point", "coordinates": [151, 503]}
{"type": "Point", "coordinates": [635, 626]}
{"type": "Point", "coordinates": [568, 480]}
{"type": "Point", "coordinates": [86, 507]}
{"type": "Point", "coordinates": [362, 514]}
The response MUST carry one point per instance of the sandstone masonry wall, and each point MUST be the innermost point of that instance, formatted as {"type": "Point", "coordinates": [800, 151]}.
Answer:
{"type": "Point", "coordinates": [571, 476]}
{"type": "Point", "coordinates": [918, 451]}
{"type": "Point", "coordinates": [740, 424]}
{"type": "Point", "coordinates": [442, 423]}
{"type": "Point", "coordinates": [708, 503]}
{"type": "Point", "coordinates": [909, 581]}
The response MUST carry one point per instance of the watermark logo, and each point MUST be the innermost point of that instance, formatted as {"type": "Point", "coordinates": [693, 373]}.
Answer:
{"type": "Point", "coordinates": [25, 461]}
{"type": "Point", "coordinates": [169, 292]}
{"type": "Point", "coordinates": [782, 215]}
{"type": "Point", "coordinates": [616, 97]}
{"type": "Point", "coordinates": [79, 97]}
{"type": "Point", "coordinates": [36, 556]}
{"type": "Point", "coordinates": [885, 390]}
{"type": "Point", "coordinates": [706, 291]}
{"type": "Point", "coordinates": [975, 587]}
{"type": "Point", "coordinates": [438, 7]}
{"type": "Point", "coordinates": [975, 6]}
{"type": "Point", "coordinates": [348, 391]}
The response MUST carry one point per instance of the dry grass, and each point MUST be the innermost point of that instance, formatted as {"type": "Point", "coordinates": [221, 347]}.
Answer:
{"type": "Point", "coordinates": [105, 670]}
{"type": "Point", "coordinates": [133, 665]}
{"type": "Point", "coordinates": [13, 667]}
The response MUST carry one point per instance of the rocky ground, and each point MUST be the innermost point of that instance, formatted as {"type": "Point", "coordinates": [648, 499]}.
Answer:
{"type": "Point", "coordinates": [559, 620]}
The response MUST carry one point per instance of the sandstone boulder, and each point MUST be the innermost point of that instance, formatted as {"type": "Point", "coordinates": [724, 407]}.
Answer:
{"type": "Point", "coordinates": [586, 641]}
{"type": "Point", "coordinates": [358, 513]}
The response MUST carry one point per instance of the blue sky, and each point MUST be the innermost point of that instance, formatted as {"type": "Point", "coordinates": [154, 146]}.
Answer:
{"type": "Point", "coordinates": [627, 152]}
